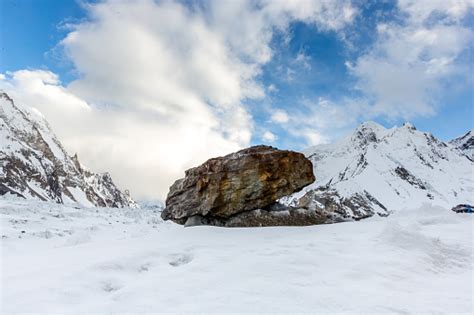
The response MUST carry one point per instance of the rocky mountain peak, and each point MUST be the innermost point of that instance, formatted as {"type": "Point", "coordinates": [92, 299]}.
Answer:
{"type": "Point", "coordinates": [409, 126]}
{"type": "Point", "coordinates": [465, 144]}
{"type": "Point", "coordinates": [34, 164]}
{"type": "Point", "coordinates": [368, 132]}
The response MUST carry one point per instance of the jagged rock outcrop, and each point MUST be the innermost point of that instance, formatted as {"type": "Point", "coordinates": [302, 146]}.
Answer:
{"type": "Point", "coordinates": [249, 179]}
{"type": "Point", "coordinates": [463, 208]}
{"type": "Point", "coordinates": [465, 144]}
{"type": "Point", "coordinates": [34, 164]}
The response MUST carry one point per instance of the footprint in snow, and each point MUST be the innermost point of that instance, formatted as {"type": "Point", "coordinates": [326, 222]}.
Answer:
{"type": "Point", "coordinates": [180, 259]}
{"type": "Point", "coordinates": [110, 286]}
{"type": "Point", "coordinates": [144, 267]}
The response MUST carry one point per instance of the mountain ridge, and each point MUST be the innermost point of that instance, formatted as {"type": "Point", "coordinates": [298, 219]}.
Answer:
{"type": "Point", "coordinates": [376, 170]}
{"type": "Point", "coordinates": [34, 164]}
{"type": "Point", "coordinates": [465, 144]}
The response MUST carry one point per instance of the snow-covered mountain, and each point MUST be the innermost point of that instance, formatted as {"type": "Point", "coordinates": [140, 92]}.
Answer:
{"type": "Point", "coordinates": [377, 170]}
{"type": "Point", "coordinates": [465, 144]}
{"type": "Point", "coordinates": [34, 164]}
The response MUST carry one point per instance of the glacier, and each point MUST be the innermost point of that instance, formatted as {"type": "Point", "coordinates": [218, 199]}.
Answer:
{"type": "Point", "coordinates": [65, 259]}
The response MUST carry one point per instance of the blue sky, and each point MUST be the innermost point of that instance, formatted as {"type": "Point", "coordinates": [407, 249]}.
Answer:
{"type": "Point", "coordinates": [289, 74]}
{"type": "Point", "coordinates": [30, 30]}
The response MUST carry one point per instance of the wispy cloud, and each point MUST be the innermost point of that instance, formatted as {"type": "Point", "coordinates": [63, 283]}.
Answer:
{"type": "Point", "coordinates": [279, 116]}
{"type": "Point", "coordinates": [405, 72]}
{"type": "Point", "coordinates": [268, 136]}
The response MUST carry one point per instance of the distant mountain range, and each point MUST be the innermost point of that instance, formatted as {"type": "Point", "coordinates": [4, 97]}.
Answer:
{"type": "Point", "coordinates": [376, 170]}
{"type": "Point", "coordinates": [34, 164]}
{"type": "Point", "coordinates": [373, 171]}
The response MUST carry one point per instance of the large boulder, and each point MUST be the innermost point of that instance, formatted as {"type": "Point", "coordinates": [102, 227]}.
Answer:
{"type": "Point", "coordinates": [250, 179]}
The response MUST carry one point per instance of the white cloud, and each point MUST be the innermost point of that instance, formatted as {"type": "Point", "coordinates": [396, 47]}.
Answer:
{"type": "Point", "coordinates": [303, 60]}
{"type": "Point", "coordinates": [161, 85]}
{"type": "Point", "coordinates": [269, 136]}
{"type": "Point", "coordinates": [313, 137]}
{"type": "Point", "coordinates": [279, 116]}
{"type": "Point", "coordinates": [320, 121]}
{"type": "Point", "coordinates": [290, 74]}
{"type": "Point", "coordinates": [403, 75]}
{"type": "Point", "coordinates": [42, 89]}
{"type": "Point", "coordinates": [446, 10]}
{"type": "Point", "coordinates": [272, 88]}
{"type": "Point", "coordinates": [327, 15]}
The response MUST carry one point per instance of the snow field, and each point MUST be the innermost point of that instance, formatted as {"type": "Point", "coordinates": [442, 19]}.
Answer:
{"type": "Point", "coordinates": [89, 260]}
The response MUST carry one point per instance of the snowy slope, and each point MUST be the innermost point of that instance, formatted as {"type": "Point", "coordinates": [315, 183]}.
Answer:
{"type": "Point", "coordinates": [377, 170]}
{"type": "Point", "coordinates": [465, 144]}
{"type": "Point", "coordinates": [34, 164]}
{"type": "Point", "coordinates": [129, 261]}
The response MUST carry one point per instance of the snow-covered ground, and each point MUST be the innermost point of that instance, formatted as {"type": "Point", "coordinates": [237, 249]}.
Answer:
{"type": "Point", "coordinates": [63, 259]}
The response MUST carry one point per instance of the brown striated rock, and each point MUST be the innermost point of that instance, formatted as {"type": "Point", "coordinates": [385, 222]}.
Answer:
{"type": "Point", "coordinates": [249, 179]}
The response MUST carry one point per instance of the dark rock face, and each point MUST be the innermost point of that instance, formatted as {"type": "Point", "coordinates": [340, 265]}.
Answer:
{"type": "Point", "coordinates": [405, 175]}
{"type": "Point", "coordinates": [329, 204]}
{"type": "Point", "coordinates": [250, 179]}
{"type": "Point", "coordinates": [274, 215]}
{"type": "Point", "coordinates": [463, 208]}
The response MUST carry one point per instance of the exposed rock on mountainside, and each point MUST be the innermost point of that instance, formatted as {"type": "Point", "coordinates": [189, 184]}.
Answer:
{"type": "Point", "coordinates": [249, 179]}
{"type": "Point", "coordinates": [377, 170]}
{"type": "Point", "coordinates": [34, 164]}
{"type": "Point", "coordinates": [465, 144]}
{"type": "Point", "coordinates": [464, 208]}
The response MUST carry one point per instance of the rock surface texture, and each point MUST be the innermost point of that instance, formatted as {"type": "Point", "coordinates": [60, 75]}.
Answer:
{"type": "Point", "coordinates": [223, 187]}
